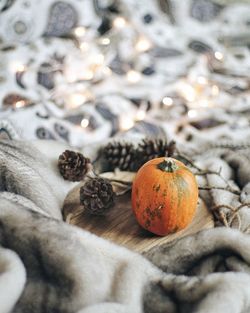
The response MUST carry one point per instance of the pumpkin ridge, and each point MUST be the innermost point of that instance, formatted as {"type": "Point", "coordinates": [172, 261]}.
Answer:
{"type": "Point", "coordinates": [183, 190]}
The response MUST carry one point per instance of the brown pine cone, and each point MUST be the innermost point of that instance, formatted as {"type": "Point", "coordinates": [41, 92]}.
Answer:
{"type": "Point", "coordinates": [152, 148]}
{"type": "Point", "coordinates": [73, 165]}
{"type": "Point", "coordinates": [120, 155]}
{"type": "Point", "coordinates": [97, 196]}
{"type": "Point", "coordinates": [171, 148]}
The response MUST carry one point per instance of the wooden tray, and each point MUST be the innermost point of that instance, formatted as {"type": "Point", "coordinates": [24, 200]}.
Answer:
{"type": "Point", "coordinates": [120, 226]}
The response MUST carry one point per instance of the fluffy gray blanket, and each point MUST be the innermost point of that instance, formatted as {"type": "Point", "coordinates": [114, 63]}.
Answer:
{"type": "Point", "coordinates": [49, 266]}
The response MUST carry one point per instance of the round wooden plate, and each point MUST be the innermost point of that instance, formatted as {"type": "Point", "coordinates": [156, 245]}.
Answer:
{"type": "Point", "coordinates": [119, 224]}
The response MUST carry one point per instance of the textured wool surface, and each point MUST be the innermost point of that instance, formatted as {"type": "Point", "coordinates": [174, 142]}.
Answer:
{"type": "Point", "coordinates": [48, 266]}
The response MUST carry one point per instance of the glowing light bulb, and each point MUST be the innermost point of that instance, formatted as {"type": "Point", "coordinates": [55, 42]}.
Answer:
{"type": "Point", "coordinates": [167, 101]}
{"type": "Point", "coordinates": [192, 113]}
{"type": "Point", "coordinates": [133, 76]}
{"type": "Point", "coordinates": [105, 41]}
{"type": "Point", "coordinates": [80, 31]}
{"type": "Point", "coordinates": [219, 55]}
{"type": "Point", "coordinates": [143, 44]}
{"type": "Point", "coordinates": [126, 123]}
{"type": "Point", "coordinates": [85, 123]}
{"type": "Point", "coordinates": [99, 59]}
{"type": "Point", "coordinates": [17, 67]}
{"type": "Point", "coordinates": [215, 90]}
{"type": "Point", "coordinates": [201, 80]}
{"type": "Point", "coordinates": [140, 115]}
{"type": "Point", "coordinates": [87, 74]}
{"type": "Point", "coordinates": [76, 99]}
{"type": "Point", "coordinates": [20, 104]}
{"type": "Point", "coordinates": [187, 91]}
{"type": "Point", "coordinates": [204, 103]}
{"type": "Point", "coordinates": [84, 46]}
{"type": "Point", "coordinates": [119, 22]}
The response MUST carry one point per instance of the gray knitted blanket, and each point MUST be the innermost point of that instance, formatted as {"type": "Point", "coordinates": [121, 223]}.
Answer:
{"type": "Point", "coordinates": [49, 266]}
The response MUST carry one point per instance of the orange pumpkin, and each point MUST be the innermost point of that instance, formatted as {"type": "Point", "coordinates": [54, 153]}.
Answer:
{"type": "Point", "coordinates": [164, 196]}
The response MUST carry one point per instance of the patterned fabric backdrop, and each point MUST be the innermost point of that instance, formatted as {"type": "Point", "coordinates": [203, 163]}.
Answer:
{"type": "Point", "coordinates": [80, 71]}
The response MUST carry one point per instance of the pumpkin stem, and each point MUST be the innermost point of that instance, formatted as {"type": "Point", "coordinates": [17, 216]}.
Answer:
{"type": "Point", "coordinates": [168, 165]}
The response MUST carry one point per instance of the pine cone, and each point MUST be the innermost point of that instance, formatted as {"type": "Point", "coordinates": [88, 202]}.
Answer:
{"type": "Point", "coordinates": [97, 196]}
{"type": "Point", "coordinates": [73, 165]}
{"type": "Point", "coordinates": [152, 148]}
{"type": "Point", "coordinates": [120, 155]}
{"type": "Point", "coordinates": [171, 148]}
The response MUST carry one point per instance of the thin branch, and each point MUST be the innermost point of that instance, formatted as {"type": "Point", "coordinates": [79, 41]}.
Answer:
{"type": "Point", "coordinates": [223, 218]}
{"type": "Point", "coordinates": [236, 212]}
{"type": "Point", "coordinates": [208, 172]}
{"type": "Point", "coordinates": [185, 158]}
{"type": "Point", "coordinates": [200, 170]}
{"type": "Point", "coordinates": [121, 182]}
{"type": "Point", "coordinates": [228, 188]}
{"type": "Point", "coordinates": [220, 215]}
{"type": "Point", "coordinates": [220, 206]}
{"type": "Point", "coordinates": [247, 204]}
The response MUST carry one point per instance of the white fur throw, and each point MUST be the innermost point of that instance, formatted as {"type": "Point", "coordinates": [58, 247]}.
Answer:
{"type": "Point", "coordinates": [48, 266]}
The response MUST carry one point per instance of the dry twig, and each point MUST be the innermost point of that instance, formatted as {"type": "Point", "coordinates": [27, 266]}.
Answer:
{"type": "Point", "coordinates": [227, 188]}
{"type": "Point", "coordinates": [221, 216]}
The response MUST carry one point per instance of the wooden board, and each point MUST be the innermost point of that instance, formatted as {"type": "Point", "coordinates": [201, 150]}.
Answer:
{"type": "Point", "coordinates": [120, 226]}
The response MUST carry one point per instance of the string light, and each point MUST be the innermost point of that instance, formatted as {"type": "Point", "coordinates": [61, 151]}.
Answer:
{"type": "Point", "coordinates": [17, 67]}
{"type": "Point", "coordinates": [194, 91]}
{"type": "Point", "coordinates": [105, 41]}
{"type": "Point", "coordinates": [87, 74]}
{"type": "Point", "coordinates": [219, 55]}
{"type": "Point", "coordinates": [80, 31]}
{"type": "Point", "coordinates": [126, 123]}
{"type": "Point", "coordinates": [84, 123]}
{"type": "Point", "coordinates": [133, 76]}
{"type": "Point", "coordinates": [140, 115]}
{"type": "Point", "coordinates": [187, 91]}
{"type": "Point", "coordinates": [143, 44]}
{"type": "Point", "coordinates": [192, 113]}
{"type": "Point", "coordinates": [215, 90]}
{"type": "Point", "coordinates": [201, 80]}
{"type": "Point", "coordinates": [20, 104]}
{"type": "Point", "coordinates": [84, 46]}
{"type": "Point", "coordinates": [99, 59]}
{"type": "Point", "coordinates": [167, 101]}
{"type": "Point", "coordinates": [76, 99]}
{"type": "Point", "coordinates": [119, 22]}
{"type": "Point", "coordinates": [204, 103]}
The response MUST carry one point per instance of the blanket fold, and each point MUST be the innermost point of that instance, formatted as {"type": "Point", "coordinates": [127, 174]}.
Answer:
{"type": "Point", "coordinates": [210, 275]}
{"type": "Point", "coordinates": [49, 266]}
